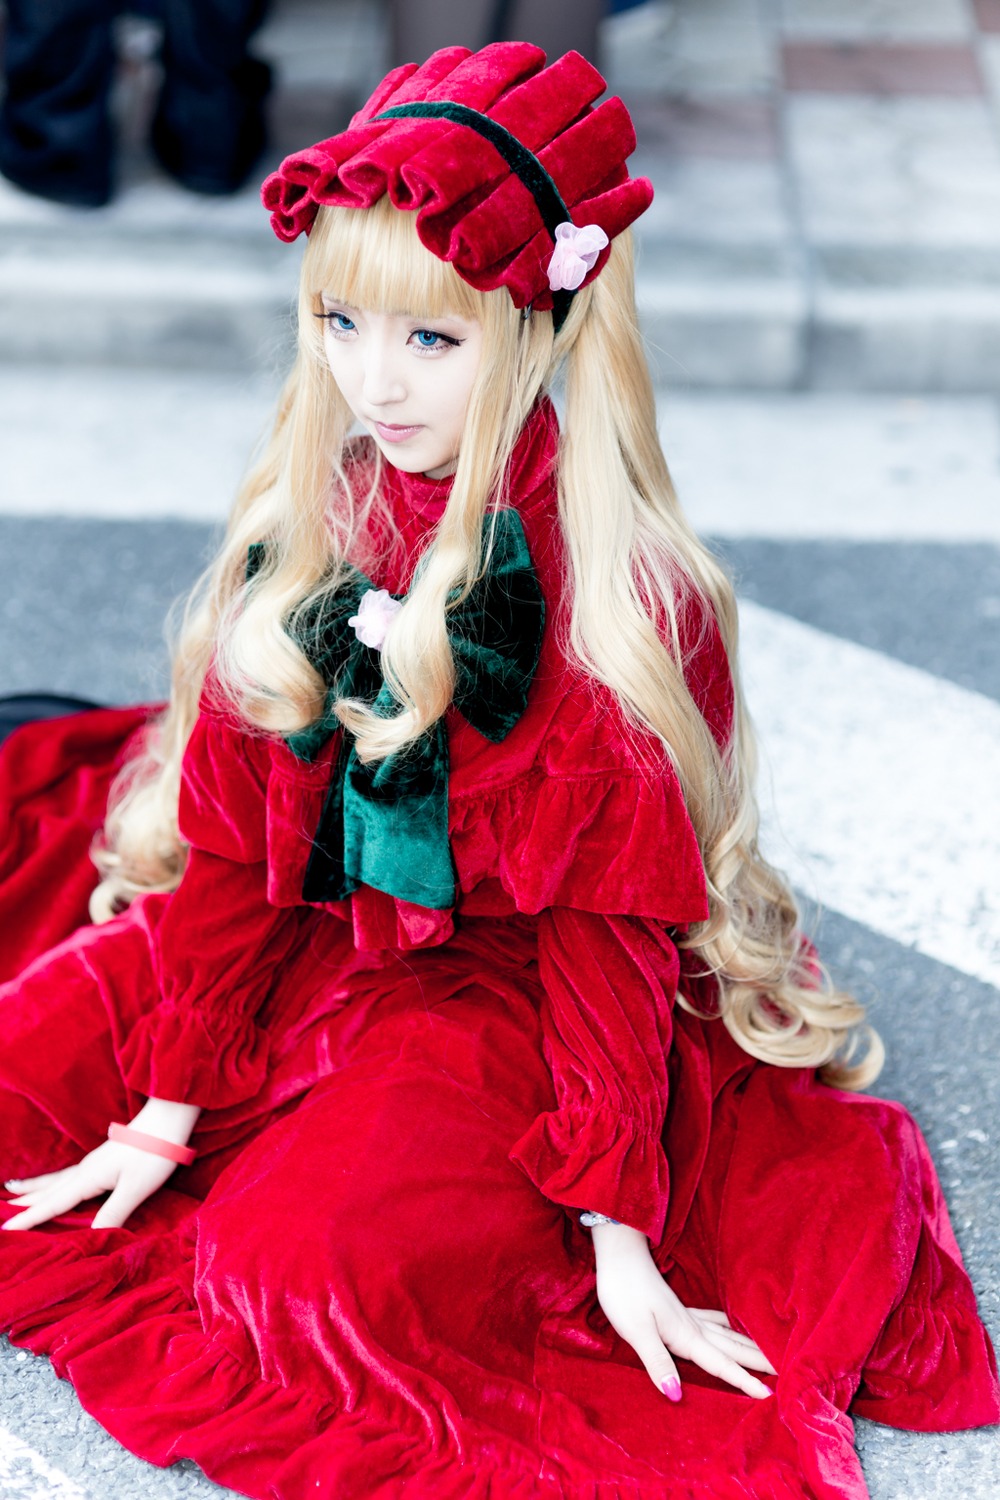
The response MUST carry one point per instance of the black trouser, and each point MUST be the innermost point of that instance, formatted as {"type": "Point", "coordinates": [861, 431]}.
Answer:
{"type": "Point", "coordinates": [209, 125]}
{"type": "Point", "coordinates": [419, 27]}
{"type": "Point", "coordinates": [54, 125]}
{"type": "Point", "coordinates": [55, 133]}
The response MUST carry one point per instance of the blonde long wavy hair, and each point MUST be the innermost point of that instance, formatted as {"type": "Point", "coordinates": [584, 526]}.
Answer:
{"type": "Point", "coordinates": [631, 554]}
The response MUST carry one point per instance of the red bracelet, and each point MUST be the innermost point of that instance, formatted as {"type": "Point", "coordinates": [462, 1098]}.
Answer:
{"type": "Point", "coordinates": [154, 1144]}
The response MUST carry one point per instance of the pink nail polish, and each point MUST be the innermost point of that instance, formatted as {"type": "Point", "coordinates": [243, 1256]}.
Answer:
{"type": "Point", "coordinates": [671, 1389]}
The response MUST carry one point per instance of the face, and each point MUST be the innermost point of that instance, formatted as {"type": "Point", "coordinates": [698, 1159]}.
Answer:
{"type": "Point", "coordinates": [407, 382]}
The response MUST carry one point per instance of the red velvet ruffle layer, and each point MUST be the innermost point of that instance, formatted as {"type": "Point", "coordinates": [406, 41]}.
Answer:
{"type": "Point", "coordinates": [320, 1324]}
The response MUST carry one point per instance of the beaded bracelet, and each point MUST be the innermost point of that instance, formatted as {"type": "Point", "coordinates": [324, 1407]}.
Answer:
{"type": "Point", "coordinates": [588, 1219]}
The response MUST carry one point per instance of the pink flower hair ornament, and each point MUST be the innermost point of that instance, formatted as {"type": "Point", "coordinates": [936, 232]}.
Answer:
{"type": "Point", "coordinates": [575, 254]}
{"type": "Point", "coordinates": [495, 153]}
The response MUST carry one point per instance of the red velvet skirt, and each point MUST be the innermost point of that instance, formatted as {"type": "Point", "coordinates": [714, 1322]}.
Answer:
{"type": "Point", "coordinates": [354, 1292]}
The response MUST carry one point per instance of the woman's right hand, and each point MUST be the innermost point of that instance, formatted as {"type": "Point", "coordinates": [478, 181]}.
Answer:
{"type": "Point", "coordinates": [640, 1306]}
{"type": "Point", "coordinates": [128, 1174]}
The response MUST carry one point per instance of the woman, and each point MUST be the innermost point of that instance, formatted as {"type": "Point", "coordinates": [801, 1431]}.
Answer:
{"type": "Point", "coordinates": [460, 945]}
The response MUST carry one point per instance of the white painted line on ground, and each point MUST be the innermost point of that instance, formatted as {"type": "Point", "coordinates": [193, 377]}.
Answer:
{"type": "Point", "coordinates": [880, 788]}
{"type": "Point", "coordinates": [25, 1475]}
{"type": "Point", "coordinates": [812, 465]}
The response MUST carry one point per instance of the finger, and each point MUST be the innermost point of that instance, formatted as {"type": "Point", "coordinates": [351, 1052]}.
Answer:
{"type": "Point", "coordinates": [659, 1363]}
{"type": "Point", "coordinates": [718, 1330]}
{"type": "Point", "coordinates": [750, 1359]}
{"type": "Point", "coordinates": [35, 1195]}
{"type": "Point", "coordinates": [714, 1361]}
{"type": "Point", "coordinates": [48, 1205]}
{"type": "Point", "coordinates": [709, 1315]}
{"type": "Point", "coordinates": [119, 1206]}
{"type": "Point", "coordinates": [31, 1184]}
{"type": "Point", "coordinates": [743, 1350]}
{"type": "Point", "coordinates": [737, 1337]}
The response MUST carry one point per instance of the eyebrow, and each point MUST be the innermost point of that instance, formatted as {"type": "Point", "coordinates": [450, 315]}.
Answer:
{"type": "Point", "coordinates": [415, 317]}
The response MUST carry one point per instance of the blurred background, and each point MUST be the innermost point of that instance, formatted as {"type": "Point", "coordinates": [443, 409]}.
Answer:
{"type": "Point", "coordinates": [819, 284]}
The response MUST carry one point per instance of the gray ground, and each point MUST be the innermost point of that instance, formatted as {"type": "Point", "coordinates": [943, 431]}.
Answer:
{"type": "Point", "coordinates": [934, 605]}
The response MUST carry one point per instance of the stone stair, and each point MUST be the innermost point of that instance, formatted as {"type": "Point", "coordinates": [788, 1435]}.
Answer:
{"type": "Point", "coordinates": [800, 238]}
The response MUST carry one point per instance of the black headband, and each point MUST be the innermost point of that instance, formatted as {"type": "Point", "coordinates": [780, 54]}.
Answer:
{"type": "Point", "coordinates": [522, 162]}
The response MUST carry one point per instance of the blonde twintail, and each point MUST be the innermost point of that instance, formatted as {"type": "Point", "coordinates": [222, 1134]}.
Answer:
{"type": "Point", "coordinates": [632, 560]}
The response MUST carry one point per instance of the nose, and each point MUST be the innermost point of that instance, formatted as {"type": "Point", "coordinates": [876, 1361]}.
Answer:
{"type": "Point", "coordinates": [383, 381]}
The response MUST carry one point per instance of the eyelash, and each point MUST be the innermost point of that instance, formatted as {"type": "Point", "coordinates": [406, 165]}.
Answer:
{"type": "Point", "coordinates": [331, 317]}
{"type": "Point", "coordinates": [445, 340]}
{"type": "Point", "coordinates": [338, 330]}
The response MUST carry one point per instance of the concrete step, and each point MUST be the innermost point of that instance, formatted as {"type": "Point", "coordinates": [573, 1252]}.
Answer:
{"type": "Point", "coordinates": [159, 282]}
{"type": "Point", "coordinates": [861, 254]}
{"type": "Point", "coordinates": [165, 299]}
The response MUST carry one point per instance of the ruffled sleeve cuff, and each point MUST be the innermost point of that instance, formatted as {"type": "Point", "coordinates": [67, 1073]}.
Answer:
{"type": "Point", "coordinates": [172, 1054]}
{"type": "Point", "coordinates": [603, 1161]}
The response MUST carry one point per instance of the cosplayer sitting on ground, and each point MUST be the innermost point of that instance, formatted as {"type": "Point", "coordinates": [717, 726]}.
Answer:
{"type": "Point", "coordinates": [462, 945]}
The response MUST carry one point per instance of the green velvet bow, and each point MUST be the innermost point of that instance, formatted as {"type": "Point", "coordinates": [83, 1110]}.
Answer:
{"type": "Point", "coordinates": [385, 824]}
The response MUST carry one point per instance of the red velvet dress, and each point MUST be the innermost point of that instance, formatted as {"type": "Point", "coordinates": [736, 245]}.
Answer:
{"type": "Point", "coordinates": [372, 1281]}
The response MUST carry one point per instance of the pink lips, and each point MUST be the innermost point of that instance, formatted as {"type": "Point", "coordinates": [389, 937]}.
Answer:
{"type": "Point", "coordinates": [390, 433]}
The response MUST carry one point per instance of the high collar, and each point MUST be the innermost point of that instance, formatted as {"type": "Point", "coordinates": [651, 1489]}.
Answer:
{"type": "Point", "coordinates": [532, 465]}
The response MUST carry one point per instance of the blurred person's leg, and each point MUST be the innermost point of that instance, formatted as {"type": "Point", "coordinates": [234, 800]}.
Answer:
{"type": "Point", "coordinates": [556, 25]}
{"type": "Point", "coordinates": [56, 138]}
{"type": "Point", "coordinates": [420, 27]}
{"type": "Point", "coordinates": [209, 129]}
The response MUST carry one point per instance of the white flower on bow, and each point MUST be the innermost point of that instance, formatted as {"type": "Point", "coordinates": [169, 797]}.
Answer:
{"type": "Point", "coordinates": [575, 254]}
{"type": "Point", "coordinates": [376, 611]}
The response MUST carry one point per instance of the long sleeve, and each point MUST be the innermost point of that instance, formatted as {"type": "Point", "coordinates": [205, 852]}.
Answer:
{"type": "Point", "coordinates": [217, 941]}
{"type": "Point", "coordinates": [609, 984]}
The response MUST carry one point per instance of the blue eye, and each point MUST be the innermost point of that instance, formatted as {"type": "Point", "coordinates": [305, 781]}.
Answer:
{"type": "Point", "coordinates": [426, 338]}
{"type": "Point", "coordinates": [337, 322]}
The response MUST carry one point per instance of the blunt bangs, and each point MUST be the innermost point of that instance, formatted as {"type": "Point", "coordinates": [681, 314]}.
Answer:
{"type": "Point", "coordinates": [372, 258]}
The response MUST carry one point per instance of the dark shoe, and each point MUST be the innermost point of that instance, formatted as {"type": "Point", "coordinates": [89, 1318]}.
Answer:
{"type": "Point", "coordinates": [56, 139]}
{"type": "Point", "coordinates": [210, 141]}
{"type": "Point", "coordinates": [75, 192]}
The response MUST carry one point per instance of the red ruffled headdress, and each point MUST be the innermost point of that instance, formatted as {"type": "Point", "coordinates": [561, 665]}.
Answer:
{"type": "Point", "coordinates": [494, 152]}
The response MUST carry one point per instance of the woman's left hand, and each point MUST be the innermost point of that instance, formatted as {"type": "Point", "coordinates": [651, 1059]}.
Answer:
{"type": "Point", "coordinates": [640, 1307]}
